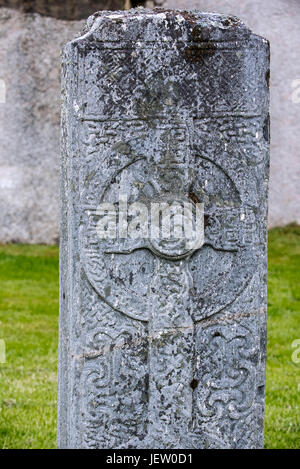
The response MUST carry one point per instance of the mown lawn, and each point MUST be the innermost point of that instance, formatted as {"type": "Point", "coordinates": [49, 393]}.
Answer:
{"type": "Point", "coordinates": [282, 427]}
{"type": "Point", "coordinates": [29, 326]}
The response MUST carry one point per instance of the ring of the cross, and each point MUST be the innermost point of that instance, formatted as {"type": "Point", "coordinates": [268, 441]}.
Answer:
{"type": "Point", "coordinates": [177, 227]}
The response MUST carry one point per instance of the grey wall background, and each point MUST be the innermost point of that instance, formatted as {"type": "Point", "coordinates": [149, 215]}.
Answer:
{"type": "Point", "coordinates": [29, 125]}
{"type": "Point", "coordinates": [31, 37]}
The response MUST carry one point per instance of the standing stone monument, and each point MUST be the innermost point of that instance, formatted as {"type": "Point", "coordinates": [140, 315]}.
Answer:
{"type": "Point", "coordinates": [163, 343]}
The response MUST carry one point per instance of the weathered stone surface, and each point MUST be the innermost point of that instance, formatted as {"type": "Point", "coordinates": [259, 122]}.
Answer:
{"type": "Point", "coordinates": [278, 21]}
{"type": "Point", "coordinates": [162, 347]}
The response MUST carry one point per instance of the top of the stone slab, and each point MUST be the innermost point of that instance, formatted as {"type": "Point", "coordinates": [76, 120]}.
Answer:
{"type": "Point", "coordinates": [164, 25]}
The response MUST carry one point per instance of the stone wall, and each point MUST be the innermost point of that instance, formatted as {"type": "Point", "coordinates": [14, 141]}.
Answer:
{"type": "Point", "coordinates": [30, 45]}
{"type": "Point", "coordinates": [278, 21]}
{"type": "Point", "coordinates": [64, 10]}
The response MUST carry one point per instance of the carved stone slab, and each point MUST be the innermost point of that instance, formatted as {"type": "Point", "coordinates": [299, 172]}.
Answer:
{"type": "Point", "coordinates": [162, 345]}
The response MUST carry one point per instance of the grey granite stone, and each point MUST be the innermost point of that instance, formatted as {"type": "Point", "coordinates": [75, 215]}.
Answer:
{"type": "Point", "coordinates": [162, 347]}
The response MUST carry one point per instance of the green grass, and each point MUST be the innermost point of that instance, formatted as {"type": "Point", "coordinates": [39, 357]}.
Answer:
{"type": "Point", "coordinates": [29, 326]}
{"type": "Point", "coordinates": [282, 428]}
